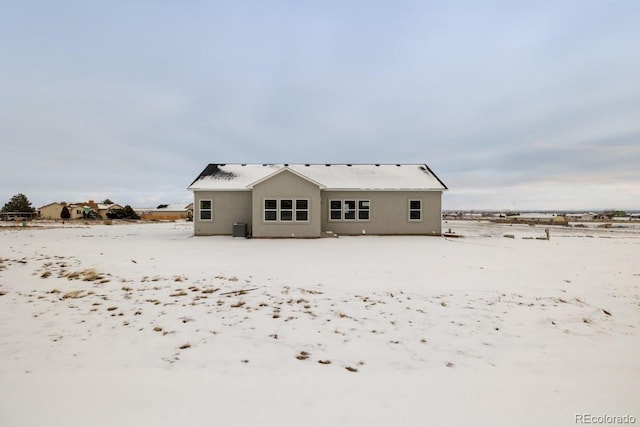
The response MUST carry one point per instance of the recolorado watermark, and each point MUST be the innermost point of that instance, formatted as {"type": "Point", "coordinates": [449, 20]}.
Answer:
{"type": "Point", "coordinates": [586, 418]}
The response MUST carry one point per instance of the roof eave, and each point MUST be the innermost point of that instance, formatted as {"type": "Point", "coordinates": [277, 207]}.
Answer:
{"type": "Point", "coordinates": [217, 189]}
{"type": "Point", "coordinates": [386, 189]}
{"type": "Point", "coordinates": [281, 170]}
{"type": "Point", "coordinates": [436, 177]}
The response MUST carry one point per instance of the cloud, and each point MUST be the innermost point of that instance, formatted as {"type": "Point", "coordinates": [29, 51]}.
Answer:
{"type": "Point", "coordinates": [132, 101]}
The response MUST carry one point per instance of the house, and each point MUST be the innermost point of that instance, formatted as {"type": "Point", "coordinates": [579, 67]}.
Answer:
{"type": "Point", "coordinates": [104, 208]}
{"type": "Point", "coordinates": [538, 218]}
{"type": "Point", "coordinates": [54, 210]}
{"type": "Point", "coordinates": [471, 215]}
{"type": "Point", "coordinates": [81, 210]}
{"type": "Point", "coordinates": [77, 210]}
{"type": "Point", "coordinates": [51, 211]}
{"type": "Point", "coordinates": [169, 212]}
{"type": "Point", "coordinates": [586, 216]}
{"type": "Point", "coordinates": [91, 209]}
{"type": "Point", "coordinates": [313, 200]}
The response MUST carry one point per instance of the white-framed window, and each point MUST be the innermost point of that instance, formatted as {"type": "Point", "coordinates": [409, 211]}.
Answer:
{"type": "Point", "coordinates": [286, 210]}
{"type": "Point", "coordinates": [415, 210]}
{"type": "Point", "coordinates": [270, 210]}
{"type": "Point", "coordinates": [205, 210]}
{"type": "Point", "coordinates": [349, 210]}
{"type": "Point", "coordinates": [302, 210]}
{"type": "Point", "coordinates": [363, 210]}
{"type": "Point", "coordinates": [335, 210]}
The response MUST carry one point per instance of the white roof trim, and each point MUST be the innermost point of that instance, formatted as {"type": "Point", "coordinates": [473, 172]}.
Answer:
{"type": "Point", "coordinates": [279, 171]}
{"type": "Point", "coordinates": [329, 177]}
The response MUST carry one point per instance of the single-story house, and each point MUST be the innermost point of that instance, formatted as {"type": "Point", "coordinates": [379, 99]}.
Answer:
{"type": "Point", "coordinates": [586, 216]}
{"type": "Point", "coordinates": [51, 211]}
{"type": "Point", "coordinates": [538, 218]}
{"type": "Point", "coordinates": [169, 212]}
{"type": "Point", "coordinates": [81, 210]}
{"type": "Point", "coordinates": [472, 215]}
{"type": "Point", "coordinates": [91, 209]}
{"type": "Point", "coordinates": [77, 210]}
{"type": "Point", "coordinates": [104, 208]}
{"type": "Point", "coordinates": [314, 200]}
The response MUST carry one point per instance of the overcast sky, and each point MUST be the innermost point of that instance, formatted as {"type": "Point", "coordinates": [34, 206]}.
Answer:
{"type": "Point", "coordinates": [514, 104]}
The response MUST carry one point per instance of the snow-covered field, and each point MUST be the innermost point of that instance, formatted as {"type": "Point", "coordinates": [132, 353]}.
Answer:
{"type": "Point", "coordinates": [146, 325]}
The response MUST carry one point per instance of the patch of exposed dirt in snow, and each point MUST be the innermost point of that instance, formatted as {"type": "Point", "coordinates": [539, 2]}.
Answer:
{"type": "Point", "coordinates": [267, 323]}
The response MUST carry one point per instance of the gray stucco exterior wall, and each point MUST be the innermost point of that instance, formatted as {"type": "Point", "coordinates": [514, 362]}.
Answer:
{"type": "Point", "coordinates": [388, 212]}
{"type": "Point", "coordinates": [228, 207]}
{"type": "Point", "coordinates": [289, 186]}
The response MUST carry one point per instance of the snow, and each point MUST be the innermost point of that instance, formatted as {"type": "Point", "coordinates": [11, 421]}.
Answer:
{"type": "Point", "coordinates": [480, 330]}
{"type": "Point", "coordinates": [173, 207]}
{"type": "Point", "coordinates": [536, 215]}
{"type": "Point", "coordinates": [332, 177]}
{"type": "Point", "coordinates": [105, 206]}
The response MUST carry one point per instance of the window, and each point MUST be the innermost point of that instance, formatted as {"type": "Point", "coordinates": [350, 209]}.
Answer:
{"type": "Point", "coordinates": [206, 210]}
{"type": "Point", "coordinates": [270, 210]}
{"type": "Point", "coordinates": [286, 210]}
{"type": "Point", "coordinates": [415, 210]}
{"type": "Point", "coordinates": [363, 210]}
{"type": "Point", "coordinates": [349, 210]}
{"type": "Point", "coordinates": [335, 210]}
{"type": "Point", "coordinates": [302, 210]}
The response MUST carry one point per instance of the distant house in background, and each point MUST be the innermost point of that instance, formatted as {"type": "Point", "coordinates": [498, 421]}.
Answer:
{"type": "Point", "coordinates": [51, 211]}
{"type": "Point", "coordinates": [472, 215]}
{"type": "Point", "coordinates": [538, 218]}
{"type": "Point", "coordinates": [83, 210]}
{"type": "Point", "coordinates": [103, 208]}
{"type": "Point", "coordinates": [587, 216]}
{"type": "Point", "coordinates": [170, 212]}
{"type": "Point", "coordinates": [312, 200]}
{"type": "Point", "coordinates": [77, 210]}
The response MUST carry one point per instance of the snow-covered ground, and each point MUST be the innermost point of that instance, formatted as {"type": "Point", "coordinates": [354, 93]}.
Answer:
{"type": "Point", "coordinates": [146, 325]}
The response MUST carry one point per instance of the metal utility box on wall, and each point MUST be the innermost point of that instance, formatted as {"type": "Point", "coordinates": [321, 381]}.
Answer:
{"type": "Point", "coordinates": [239, 229]}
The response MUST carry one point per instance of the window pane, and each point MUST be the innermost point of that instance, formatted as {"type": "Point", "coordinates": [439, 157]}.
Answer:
{"type": "Point", "coordinates": [205, 214]}
{"type": "Point", "coordinates": [270, 215]}
{"type": "Point", "coordinates": [363, 204]}
{"type": "Point", "coordinates": [414, 214]}
{"type": "Point", "coordinates": [349, 205]}
{"type": "Point", "coordinates": [205, 204]}
{"type": "Point", "coordinates": [302, 216]}
{"type": "Point", "coordinates": [363, 215]}
{"type": "Point", "coordinates": [336, 215]}
{"type": "Point", "coordinates": [415, 204]}
{"type": "Point", "coordinates": [350, 215]}
{"type": "Point", "coordinates": [270, 204]}
{"type": "Point", "coordinates": [336, 204]}
{"type": "Point", "coordinates": [286, 215]}
{"type": "Point", "coordinates": [302, 204]}
{"type": "Point", "coordinates": [286, 204]}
